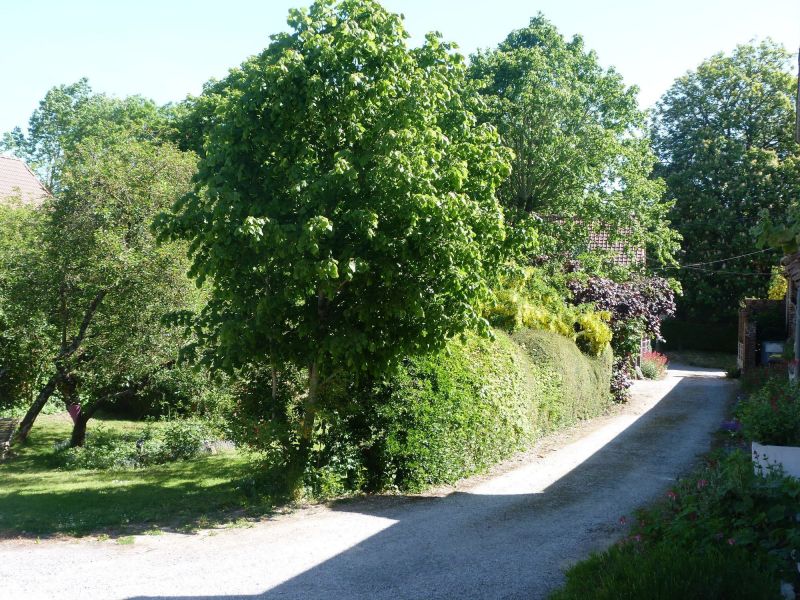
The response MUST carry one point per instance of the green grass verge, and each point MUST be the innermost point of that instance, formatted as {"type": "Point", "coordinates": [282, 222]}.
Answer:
{"type": "Point", "coordinates": [37, 498]}
{"type": "Point", "coordinates": [669, 572]}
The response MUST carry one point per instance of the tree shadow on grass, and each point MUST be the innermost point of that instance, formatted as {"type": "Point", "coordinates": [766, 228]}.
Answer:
{"type": "Point", "coordinates": [175, 497]}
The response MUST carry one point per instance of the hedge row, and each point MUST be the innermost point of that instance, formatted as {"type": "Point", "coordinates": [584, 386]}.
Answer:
{"type": "Point", "coordinates": [455, 413]}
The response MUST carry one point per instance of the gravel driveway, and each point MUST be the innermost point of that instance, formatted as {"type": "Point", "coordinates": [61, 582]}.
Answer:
{"type": "Point", "coordinates": [510, 534]}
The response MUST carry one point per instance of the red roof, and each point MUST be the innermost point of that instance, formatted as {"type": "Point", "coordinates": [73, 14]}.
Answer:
{"type": "Point", "coordinates": [599, 240]}
{"type": "Point", "coordinates": [18, 181]}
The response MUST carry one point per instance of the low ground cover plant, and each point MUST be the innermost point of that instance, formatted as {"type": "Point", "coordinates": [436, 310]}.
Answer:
{"type": "Point", "coordinates": [722, 532]}
{"type": "Point", "coordinates": [155, 443]}
{"type": "Point", "coordinates": [771, 414]}
{"type": "Point", "coordinates": [654, 365]}
{"type": "Point", "coordinates": [667, 572]}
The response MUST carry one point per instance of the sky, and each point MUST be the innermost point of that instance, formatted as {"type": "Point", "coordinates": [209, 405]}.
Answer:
{"type": "Point", "coordinates": [166, 49]}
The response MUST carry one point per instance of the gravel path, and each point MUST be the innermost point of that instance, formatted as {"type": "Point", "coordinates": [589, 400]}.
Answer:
{"type": "Point", "coordinates": [510, 534]}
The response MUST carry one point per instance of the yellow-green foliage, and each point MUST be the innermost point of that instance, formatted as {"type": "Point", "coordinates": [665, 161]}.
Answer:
{"type": "Point", "coordinates": [529, 302]}
{"type": "Point", "coordinates": [777, 285]}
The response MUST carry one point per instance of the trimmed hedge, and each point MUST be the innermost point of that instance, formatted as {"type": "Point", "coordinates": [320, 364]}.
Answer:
{"type": "Point", "coordinates": [455, 413]}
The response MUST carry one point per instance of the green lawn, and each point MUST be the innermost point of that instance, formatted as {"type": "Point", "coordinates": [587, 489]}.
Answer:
{"type": "Point", "coordinates": [38, 498]}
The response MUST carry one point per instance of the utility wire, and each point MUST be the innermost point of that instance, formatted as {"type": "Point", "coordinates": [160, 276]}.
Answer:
{"type": "Point", "coordinates": [714, 262]}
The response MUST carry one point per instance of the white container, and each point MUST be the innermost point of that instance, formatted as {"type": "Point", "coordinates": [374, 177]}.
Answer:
{"type": "Point", "coordinates": [788, 457]}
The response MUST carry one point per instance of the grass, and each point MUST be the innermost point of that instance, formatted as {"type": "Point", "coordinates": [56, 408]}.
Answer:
{"type": "Point", "coordinates": [708, 360]}
{"type": "Point", "coordinates": [38, 498]}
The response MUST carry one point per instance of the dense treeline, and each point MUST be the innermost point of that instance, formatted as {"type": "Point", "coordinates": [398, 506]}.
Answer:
{"type": "Point", "coordinates": [724, 134]}
{"type": "Point", "coordinates": [326, 246]}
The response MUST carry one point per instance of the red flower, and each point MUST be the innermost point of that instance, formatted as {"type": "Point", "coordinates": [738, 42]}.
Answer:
{"type": "Point", "coordinates": [672, 495]}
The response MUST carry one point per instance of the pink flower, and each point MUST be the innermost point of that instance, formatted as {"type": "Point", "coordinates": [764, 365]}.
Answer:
{"type": "Point", "coordinates": [672, 495]}
{"type": "Point", "coordinates": [731, 542]}
{"type": "Point", "coordinates": [623, 520]}
{"type": "Point", "coordinates": [702, 483]}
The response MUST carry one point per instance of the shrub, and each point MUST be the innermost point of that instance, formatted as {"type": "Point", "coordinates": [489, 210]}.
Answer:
{"type": "Point", "coordinates": [654, 365]}
{"type": "Point", "coordinates": [724, 503]}
{"type": "Point", "coordinates": [457, 412]}
{"type": "Point", "coordinates": [151, 445]}
{"type": "Point", "coordinates": [438, 418]}
{"type": "Point", "coordinates": [104, 449]}
{"type": "Point", "coordinates": [529, 301]}
{"type": "Point", "coordinates": [771, 415]}
{"type": "Point", "coordinates": [666, 572]}
{"type": "Point", "coordinates": [636, 309]}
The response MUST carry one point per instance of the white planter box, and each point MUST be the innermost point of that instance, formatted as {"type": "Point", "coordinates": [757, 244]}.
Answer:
{"type": "Point", "coordinates": [786, 456]}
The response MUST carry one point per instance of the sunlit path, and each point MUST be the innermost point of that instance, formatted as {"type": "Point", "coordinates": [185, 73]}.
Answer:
{"type": "Point", "coordinates": [509, 536]}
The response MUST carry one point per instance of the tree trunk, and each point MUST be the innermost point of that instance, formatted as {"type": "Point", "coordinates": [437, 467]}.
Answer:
{"type": "Point", "coordinates": [36, 407]}
{"type": "Point", "coordinates": [302, 453]}
{"type": "Point", "coordinates": [78, 437]}
{"type": "Point", "coordinates": [62, 372]}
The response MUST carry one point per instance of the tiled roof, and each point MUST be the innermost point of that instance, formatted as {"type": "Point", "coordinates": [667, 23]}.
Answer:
{"type": "Point", "coordinates": [599, 240]}
{"type": "Point", "coordinates": [18, 181]}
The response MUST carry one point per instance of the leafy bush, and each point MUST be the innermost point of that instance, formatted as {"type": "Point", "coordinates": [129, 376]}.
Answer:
{"type": "Point", "coordinates": [439, 418]}
{"type": "Point", "coordinates": [455, 413]}
{"type": "Point", "coordinates": [725, 504]}
{"type": "Point", "coordinates": [636, 310]}
{"type": "Point", "coordinates": [531, 301]}
{"type": "Point", "coordinates": [722, 532]}
{"type": "Point", "coordinates": [771, 415]}
{"type": "Point", "coordinates": [667, 572]}
{"type": "Point", "coordinates": [654, 365]}
{"type": "Point", "coordinates": [156, 443]}
{"type": "Point", "coordinates": [103, 450]}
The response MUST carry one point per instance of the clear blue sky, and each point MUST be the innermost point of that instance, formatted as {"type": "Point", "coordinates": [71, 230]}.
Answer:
{"type": "Point", "coordinates": [165, 49]}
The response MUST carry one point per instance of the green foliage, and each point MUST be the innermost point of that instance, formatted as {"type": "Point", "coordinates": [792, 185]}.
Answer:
{"type": "Point", "coordinates": [439, 418]}
{"type": "Point", "coordinates": [721, 532]}
{"type": "Point", "coordinates": [70, 114]}
{"type": "Point", "coordinates": [349, 218]}
{"type": "Point", "coordinates": [96, 283]}
{"type": "Point", "coordinates": [155, 444]}
{"type": "Point", "coordinates": [777, 285]}
{"type": "Point", "coordinates": [725, 504]}
{"type": "Point", "coordinates": [667, 572]}
{"type": "Point", "coordinates": [23, 349]}
{"type": "Point", "coordinates": [726, 156]}
{"type": "Point", "coordinates": [582, 160]}
{"type": "Point", "coordinates": [456, 413]}
{"type": "Point", "coordinates": [529, 301]}
{"type": "Point", "coordinates": [771, 414]}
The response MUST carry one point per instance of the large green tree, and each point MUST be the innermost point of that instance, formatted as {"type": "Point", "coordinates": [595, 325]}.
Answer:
{"type": "Point", "coordinates": [583, 162]}
{"type": "Point", "coordinates": [70, 113]}
{"type": "Point", "coordinates": [94, 275]}
{"type": "Point", "coordinates": [724, 134]}
{"type": "Point", "coordinates": [345, 208]}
